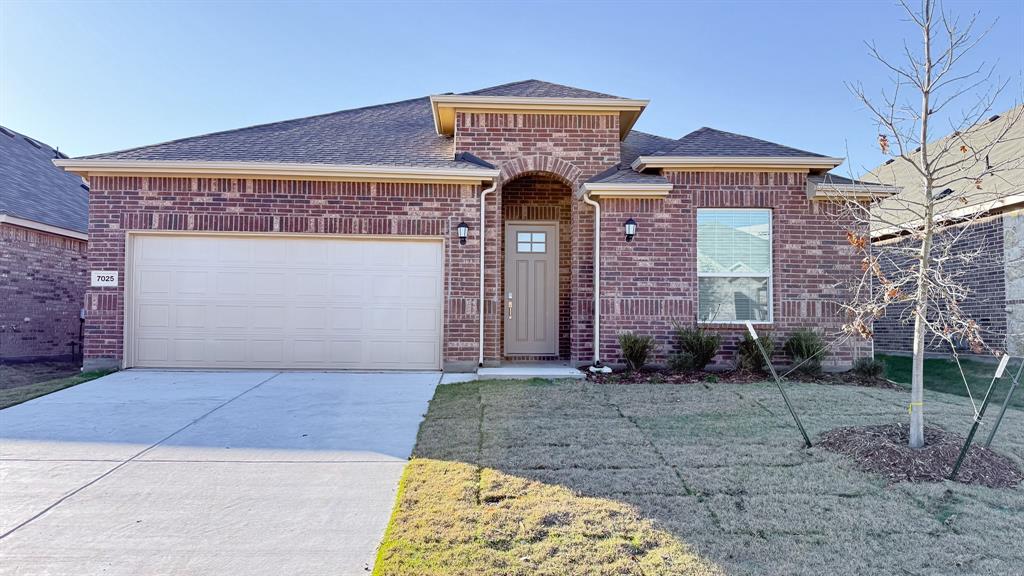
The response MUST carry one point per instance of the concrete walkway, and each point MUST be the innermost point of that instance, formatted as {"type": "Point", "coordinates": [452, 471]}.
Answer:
{"type": "Point", "coordinates": [153, 472]}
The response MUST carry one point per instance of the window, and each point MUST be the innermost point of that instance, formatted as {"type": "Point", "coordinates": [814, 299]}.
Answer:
{"type": "Point", "coordinates": [734, 265]}
{"type": "Point", "coordinates": [531, 242]}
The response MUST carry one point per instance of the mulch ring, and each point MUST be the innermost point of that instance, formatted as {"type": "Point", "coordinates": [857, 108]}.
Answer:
{"type": "Point", "coordinates": [656, 376]}
{"type": "Point", "coordinates": [884, 450]}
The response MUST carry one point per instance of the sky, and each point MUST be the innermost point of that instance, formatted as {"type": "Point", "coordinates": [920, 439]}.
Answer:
{"type": "Point", "coordinates": [95, 77]}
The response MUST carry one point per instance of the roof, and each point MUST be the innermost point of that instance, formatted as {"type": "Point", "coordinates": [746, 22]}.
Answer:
{"type": "Point", "coordinates": [964, 198]}
{"type": "Point", "coordinates": [405, 134]}
{"type": "Point", "coordinates": [620, 174]}
{"type": "Point", "coordinates": [32, 188]}
{"type": "Point", "coordinates": [710, 142]}
{"type": "Point", "coordinates": [538, 89]}
{"type": "Point", "coordinates": [833, 185]}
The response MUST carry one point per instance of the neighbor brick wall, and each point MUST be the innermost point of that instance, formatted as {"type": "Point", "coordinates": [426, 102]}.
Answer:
{"type": "Point", "coordinates": [984, 275]}
{"type": "Point", "coordinates": [120, 204]}
{"type": "Point", "coordinates": [570, 147]}
{"type": "Point", "coordinates": [42, 282]}
{"type": "Point", "coordinates": [651, 282]}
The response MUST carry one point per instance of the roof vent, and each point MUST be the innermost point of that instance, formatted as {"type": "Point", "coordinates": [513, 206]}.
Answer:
{"type": "Point", "coordinates": [6, 131]}
{"type": "Point", "coordinates": [890, 161]}
{"type": "Point", "coordinates": [994, 118]}
{"type": "Point", "coordinates": [33, 142]}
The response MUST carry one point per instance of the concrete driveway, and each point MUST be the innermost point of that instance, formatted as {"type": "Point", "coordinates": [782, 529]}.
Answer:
{"type": "Point", "coordinates": [155, 472]}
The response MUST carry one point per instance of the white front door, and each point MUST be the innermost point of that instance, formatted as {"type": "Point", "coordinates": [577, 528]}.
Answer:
{"type": "Point", "coordinates": [218, 301]}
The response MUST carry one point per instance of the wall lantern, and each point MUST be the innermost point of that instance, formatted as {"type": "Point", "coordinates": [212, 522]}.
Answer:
{"type": "Point", "coordinates": [630, 226]}
{"type": "Point", "coordinates": [463, 230]}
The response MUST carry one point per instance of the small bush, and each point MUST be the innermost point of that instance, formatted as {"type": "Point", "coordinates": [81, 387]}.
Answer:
{"type": "Point", "coordinates": [635, 349]}
{"type": "Point", "coordinates": [806, 348]}
{"type": "Point", "coordinates": [749, 358]}
{"type": "Point", "coordinates": [869, 368]}
{"type": "Point", "coordinates": [694, 348]}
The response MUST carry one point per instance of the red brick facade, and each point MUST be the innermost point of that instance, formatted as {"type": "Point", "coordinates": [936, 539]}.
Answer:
{"type": "Point", "coordinates": [42, 280]}
{"type": "Point", "coordinates": [544, 158]}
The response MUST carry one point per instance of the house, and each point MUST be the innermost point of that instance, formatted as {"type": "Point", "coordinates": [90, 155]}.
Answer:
{"type": "Point", "coordinates": [990, 251]}
{"type": "Point", "coordinates": [43, 235]}
{"type": "Point", "coordinates": [526, 221]}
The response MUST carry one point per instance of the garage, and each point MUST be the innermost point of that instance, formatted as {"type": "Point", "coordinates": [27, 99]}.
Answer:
{"type": "Point", "coordinates": [261, 301]}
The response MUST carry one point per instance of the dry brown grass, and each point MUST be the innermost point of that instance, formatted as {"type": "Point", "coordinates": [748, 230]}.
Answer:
{"type": "Point", "coordinates": [583, 478]}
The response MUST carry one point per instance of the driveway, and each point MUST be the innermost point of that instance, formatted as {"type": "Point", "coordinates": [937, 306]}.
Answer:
{"type": "Point", "coordinates": [156, 472]}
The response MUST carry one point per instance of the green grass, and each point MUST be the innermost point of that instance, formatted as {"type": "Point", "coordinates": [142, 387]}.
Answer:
{"type": "Point", "coordinates": [574, 478]}
{"type": "Point", "coordinates": [942, 375]}
{"type": "Point", "coordinates": [12, 396]}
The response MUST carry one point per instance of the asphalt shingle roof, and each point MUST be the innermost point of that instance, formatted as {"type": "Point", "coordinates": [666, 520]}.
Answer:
{"type": "Point", "coordinates": [31, 187]}
{"type": "Point", "coordinates": [623, 174]}
{"type": "Point", "coordinates": [710, 142]}
{"type": "Point", "coordinates": [537, 89]}
{"type": "Point", "coordinates": [403, 134]}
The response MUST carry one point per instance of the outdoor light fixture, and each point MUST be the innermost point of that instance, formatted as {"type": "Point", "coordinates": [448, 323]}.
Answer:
{"type": "Point", "coordinates": [630, 226]}
{"type": "Point", "coordinates": [463, 229]}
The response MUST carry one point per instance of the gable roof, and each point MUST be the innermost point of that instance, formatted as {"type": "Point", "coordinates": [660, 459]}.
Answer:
{"type": "Point", "coordinates": [32, 188]}
{"type": "Point", "coordinates": [538, 89]}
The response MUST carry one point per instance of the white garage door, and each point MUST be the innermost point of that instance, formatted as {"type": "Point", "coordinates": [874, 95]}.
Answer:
{"type": "Point", "coordinates": [272, 302]}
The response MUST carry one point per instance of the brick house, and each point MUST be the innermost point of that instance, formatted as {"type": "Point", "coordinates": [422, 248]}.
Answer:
{"type": "Point", "coordinates": [989, 222]}
{"type": "Point", "coordinates": [43, 226]}
{"type": "Point", "coordinates": [453, 231]}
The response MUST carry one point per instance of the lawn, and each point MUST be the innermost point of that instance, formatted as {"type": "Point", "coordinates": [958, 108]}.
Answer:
{"type": "Point", "coordinates": [942, 375]}
{"type": "Point", "coordinates": [23, 382]}
{"type": "Point", "coordinates": [565, 477]}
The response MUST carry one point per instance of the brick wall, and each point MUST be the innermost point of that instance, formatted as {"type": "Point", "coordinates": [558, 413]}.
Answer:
{"type": "Point", "coordinates": [650, 282]}
{"type": "Point", "coordinates": [42, 280]}
{"type": "Point", "coordinates": [118, 205]}
{"type": "Point", "coordinates": [985, 278]}
{"type": "Point", "coordinates": [570, 148]}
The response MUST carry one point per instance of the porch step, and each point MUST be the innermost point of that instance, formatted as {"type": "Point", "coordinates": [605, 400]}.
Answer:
{"type": "Point", "coordinates": [527, 371]}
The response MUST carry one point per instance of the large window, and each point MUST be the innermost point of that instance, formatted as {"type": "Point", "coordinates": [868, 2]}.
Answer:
{"type": "Point", "coordinates": [734, 265]}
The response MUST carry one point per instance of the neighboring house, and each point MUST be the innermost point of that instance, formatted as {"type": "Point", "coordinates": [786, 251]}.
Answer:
{"type": "Point", "coordinates": [993, 243]}
{"type": "Point", "coordinates": [334, 241]}
{"type": "Point", "coordinates": [43, 225]}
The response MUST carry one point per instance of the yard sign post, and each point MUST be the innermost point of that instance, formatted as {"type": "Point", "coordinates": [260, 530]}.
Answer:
{"type": "Point", "coordinates": [979, 416]}
{"type": "Point", "coordinates": [778, 382]}
{"type": "Point", "coordinates": [1006, 402]}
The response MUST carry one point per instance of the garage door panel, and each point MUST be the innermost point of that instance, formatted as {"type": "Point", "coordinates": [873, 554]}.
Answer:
{"type": "Point", "coordinates": [234, 302]}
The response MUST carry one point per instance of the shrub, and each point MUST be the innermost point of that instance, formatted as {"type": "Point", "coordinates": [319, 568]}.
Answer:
{"type": "Point", "coordinates": [869, 368]}
{"type": "Point", "coordinates": [749, 358]}
{"type": "Point", "coordinates": [635, 349]}
{"type": "Point", "coordinates": [806, 348]}
{"type": "Point", "coordinates": [694, 348]}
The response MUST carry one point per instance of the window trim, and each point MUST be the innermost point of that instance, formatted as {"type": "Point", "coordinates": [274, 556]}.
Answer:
{"type": "Point", "coordinates": [770, 275]}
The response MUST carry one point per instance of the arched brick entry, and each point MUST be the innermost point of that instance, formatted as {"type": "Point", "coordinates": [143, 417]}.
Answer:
{"type": "Point", "coordinates": [543, 196]}
{"type": "Point", "coordinates": [561, 170]}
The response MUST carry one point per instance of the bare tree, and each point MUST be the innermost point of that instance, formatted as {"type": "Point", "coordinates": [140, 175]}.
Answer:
{"type": "Point", "coordinates": [958, 179]}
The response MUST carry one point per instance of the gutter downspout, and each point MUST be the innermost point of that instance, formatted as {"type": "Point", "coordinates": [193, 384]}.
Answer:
{"type": "Point", "coordinates": [597, 277]}
{"type": "Point", "coordinates": [483, 230]}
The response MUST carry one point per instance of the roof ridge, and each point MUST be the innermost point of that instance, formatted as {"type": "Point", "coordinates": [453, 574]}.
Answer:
{"type": "Point", "coordinates": [254, 126]}
{"type": "Point", "coordinates": [505, 85]}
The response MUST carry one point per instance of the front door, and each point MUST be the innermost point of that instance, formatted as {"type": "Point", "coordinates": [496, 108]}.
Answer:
{"type": "Point", "coordinates": [531, 288]}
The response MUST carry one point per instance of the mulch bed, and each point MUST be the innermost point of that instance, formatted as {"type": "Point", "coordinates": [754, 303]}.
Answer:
{"type": "Point", "coordinates": [884, 450]}
{"type": "Point", "coordinates": [656, 376]}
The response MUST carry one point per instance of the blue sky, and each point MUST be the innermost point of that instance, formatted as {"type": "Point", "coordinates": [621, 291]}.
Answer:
{"type": "Point", "coordinates": [94, 77]}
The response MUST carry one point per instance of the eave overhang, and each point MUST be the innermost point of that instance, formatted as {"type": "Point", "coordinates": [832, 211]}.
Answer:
{"type": "Point", "coordinates": [613, 190]}
{"type": "Point", "coordinates": [48, 228]}
{"type": "Point", "coordinates": [735, 162]}
{"type": "Point", "coordinates": [445, 107]}
{"type": "Point", "coordinates": [265, 170]}
{"type": "Point", "coordinates": [827, 191]}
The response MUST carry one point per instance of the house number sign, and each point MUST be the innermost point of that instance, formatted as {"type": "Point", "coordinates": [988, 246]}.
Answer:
{"type": "Point", "coordinates": [104, 278]}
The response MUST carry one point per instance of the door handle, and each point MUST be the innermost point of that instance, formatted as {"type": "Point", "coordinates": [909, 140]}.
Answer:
{"type": "Point", "coordinates": [509, 305]}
